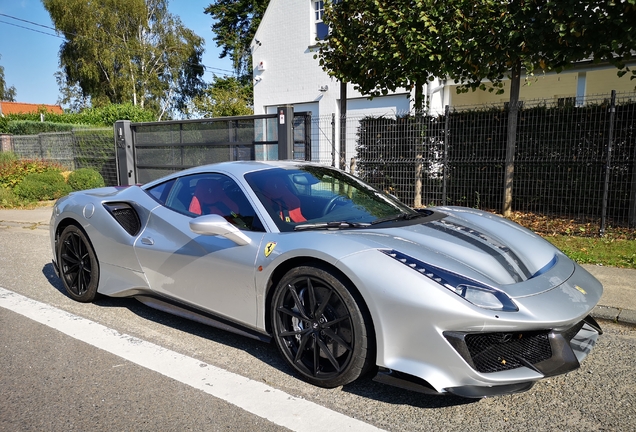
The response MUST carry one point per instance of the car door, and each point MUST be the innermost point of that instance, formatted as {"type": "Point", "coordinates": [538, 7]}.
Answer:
{"type": "Point", "coordinates": [209, 272]}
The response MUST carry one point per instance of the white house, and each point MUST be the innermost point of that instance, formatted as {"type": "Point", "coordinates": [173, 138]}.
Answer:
{"type": "Point", "coordinates": [286, 73]}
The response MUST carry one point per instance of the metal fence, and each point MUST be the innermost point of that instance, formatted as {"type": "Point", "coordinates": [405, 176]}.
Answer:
{"type": "Point", "coordinates": [570, 162]}
{"type": "Point", "coordinates": [81, 148]}
{"type": "Point", "coordinates": [576, 162]}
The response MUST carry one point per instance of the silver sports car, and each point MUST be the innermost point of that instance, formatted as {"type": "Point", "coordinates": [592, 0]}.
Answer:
{"type": "Point", "coordinates": [344, 278]}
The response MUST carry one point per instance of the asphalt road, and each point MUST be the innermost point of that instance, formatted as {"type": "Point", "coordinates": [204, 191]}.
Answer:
{"type": "Point", "coordinates": [51, 381]}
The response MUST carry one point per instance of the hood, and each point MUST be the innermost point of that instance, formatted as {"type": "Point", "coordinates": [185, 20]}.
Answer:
{"type": "Point", "coordinates": [478, 246]}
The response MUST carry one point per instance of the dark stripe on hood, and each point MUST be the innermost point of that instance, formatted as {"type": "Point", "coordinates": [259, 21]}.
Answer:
{"type": "Point", "coordinates": [486, 243]}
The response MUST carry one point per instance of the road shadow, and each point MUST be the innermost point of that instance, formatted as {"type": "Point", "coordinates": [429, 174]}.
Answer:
{"type": "Point", "coordinates": [266, 352]}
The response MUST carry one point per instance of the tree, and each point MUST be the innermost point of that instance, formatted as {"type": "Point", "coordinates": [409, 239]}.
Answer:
{"type": "Point", "coordinates": [235, 24]}
{"type": "Point", "coordinates": [135, 51]}
{"type": "Point", "coordinates": [225, 97]}
{"type": "Point", "coordinates": [381, 46]}
{"type": "Point", "coordinates": [7, 93]}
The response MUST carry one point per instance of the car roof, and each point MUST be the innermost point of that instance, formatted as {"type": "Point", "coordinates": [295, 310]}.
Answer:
{"type": "Point", "coordinates": [236, 168]}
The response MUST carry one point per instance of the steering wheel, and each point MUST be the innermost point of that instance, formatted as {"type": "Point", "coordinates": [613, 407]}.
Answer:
{"type": "Point", "coordinates": [333, 202]}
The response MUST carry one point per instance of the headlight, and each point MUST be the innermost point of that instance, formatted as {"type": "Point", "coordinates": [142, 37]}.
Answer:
{"type": "Point", "coordinates": [480, 295]}
{"type": "Point", "coordinates": [487, 298]}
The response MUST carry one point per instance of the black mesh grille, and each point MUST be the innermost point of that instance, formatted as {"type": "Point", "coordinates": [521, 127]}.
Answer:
{"type": "Point", "coordinates": [494, 352]}
{"type": "Point", "coordinates": [126, 216]}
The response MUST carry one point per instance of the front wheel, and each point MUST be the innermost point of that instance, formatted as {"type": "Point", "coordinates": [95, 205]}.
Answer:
{"type": "Point", "coordinates": [78, 264]}
{"type": "Point", "coordinates": [319, 327]}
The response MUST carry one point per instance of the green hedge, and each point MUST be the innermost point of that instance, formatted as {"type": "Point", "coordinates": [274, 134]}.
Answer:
{"type": "Point", "coordinates": [31, 127]}
{"type": "Point", "coordinates": [48, 185]}
{"type": "Point", "coordinates": [103, 116]}
{"type": "Point", "coordinates": [85, 178]}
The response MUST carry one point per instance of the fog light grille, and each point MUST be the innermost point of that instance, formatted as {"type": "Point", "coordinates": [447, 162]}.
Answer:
{"type": "Point", "coordinates": [495, 352]}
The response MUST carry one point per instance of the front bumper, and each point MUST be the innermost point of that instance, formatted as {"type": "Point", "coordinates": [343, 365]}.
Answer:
{"type": "Point", "coordinates": [547, 353]}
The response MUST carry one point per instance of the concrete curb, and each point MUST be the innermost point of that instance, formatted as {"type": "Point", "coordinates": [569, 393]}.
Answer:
{"type": "Point", "coordinates": [613, 314]}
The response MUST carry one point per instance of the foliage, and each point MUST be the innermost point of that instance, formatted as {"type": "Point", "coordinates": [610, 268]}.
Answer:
{"type": "Point", "coordinates": [131, 51]}
{"type": "Point", "coordinates": [13, 172]}
{"type": "Point", "coordinates": [4, 124]}
{"type": "Point", "coordinates": [383, 46]}
{"type": "Point", "coordinates": [7, 157]}
{"type": "Point", "coordinates": [48, 185]}
{"type": "Point", "coordinates": [8, 199]}
{"type": "Point", "coordinates": [234, 24]}
{"type": "Point", "coordinates": [99, 116]}
{"type": "Point", "coordinates": [85, 178]}
{"type": "Point", "coordinates": [225, 97]}
{"type": "Point", "coordinates": [6, 93]}
{"type": "Point", "coordinates": [31, 127]}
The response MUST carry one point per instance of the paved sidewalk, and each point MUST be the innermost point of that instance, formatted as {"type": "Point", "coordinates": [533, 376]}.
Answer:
{"type": "Point", "coordinates": [618, 302]}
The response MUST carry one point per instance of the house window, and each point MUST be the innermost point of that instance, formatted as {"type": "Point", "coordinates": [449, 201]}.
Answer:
{"type": "Point", "coordinates": [563, 102]}
{"type": "Point", "coordinates": [321, 28]}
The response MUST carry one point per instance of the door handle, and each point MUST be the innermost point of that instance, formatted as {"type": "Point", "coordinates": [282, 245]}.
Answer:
{"type": "Point", "coordinates": [147, 241]}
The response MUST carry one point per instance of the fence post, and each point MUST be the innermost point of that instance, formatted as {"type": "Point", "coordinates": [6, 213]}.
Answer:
{"type": "Point", "coordinates": [608, 163]}
{"type": "Point", "coordinates": [308, 145]}
{"type": "Point", "coordinates": [333, 139]}
{"type": "Point", "coordinates": [446, 142]}
{"type": "Point", "coordinates": [285, 132]}
{"type": "Point", "coordinates": [125, 158]}
{"type": "Point", "coordinates": [6, 142]}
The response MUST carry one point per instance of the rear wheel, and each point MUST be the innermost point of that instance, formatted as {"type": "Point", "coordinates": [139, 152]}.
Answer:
{"type": "Point", "coordinates": [78, 264]}
{"type": "Point", "coordinates": [319, 328]}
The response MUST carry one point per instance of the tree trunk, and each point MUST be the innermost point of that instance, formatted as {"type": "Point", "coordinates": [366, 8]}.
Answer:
{"type": "Point", "coordinates": [513, 109]}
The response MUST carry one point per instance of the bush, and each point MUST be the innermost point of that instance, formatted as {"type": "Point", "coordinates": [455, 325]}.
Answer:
{"type": "Point", "coordinates": [7, 157]}
{"type": "Point", "coordinates": [102, 116]}
{"type": "Point", "coordinates": [48, 185]}
{"type": "Point", "coordinates": [29, 127]}
{"type": "Point", "coordinates": [85, 178]}
{"type": "Point", "coordinates": [13, 172]}
{"type": "Point", "coordinates": [8, 198]}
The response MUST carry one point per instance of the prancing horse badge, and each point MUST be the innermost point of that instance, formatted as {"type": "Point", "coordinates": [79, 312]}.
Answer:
{"type": "Point", "coordinates": [269, 248]}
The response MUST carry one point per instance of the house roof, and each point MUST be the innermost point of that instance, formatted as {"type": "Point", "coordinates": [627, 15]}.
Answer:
{"type": "Point", "coordinates": [27, 108]}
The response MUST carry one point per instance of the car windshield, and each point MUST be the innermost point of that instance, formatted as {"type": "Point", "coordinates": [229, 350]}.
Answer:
{"type": "Point", "coordinates": [315, 197]}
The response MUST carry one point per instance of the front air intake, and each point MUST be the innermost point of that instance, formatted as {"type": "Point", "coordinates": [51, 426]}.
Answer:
{"type": "Point", "coordinates": [126, 216]}
{"type": "Point", "coordinates": [494, 352]}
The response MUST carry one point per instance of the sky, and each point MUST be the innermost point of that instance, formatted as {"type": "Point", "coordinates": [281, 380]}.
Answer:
{"type": "Point", "coordinates": [30, 52]}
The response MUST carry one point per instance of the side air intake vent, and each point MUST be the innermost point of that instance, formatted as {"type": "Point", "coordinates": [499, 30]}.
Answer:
{"type": "Point", "coordinates": [126, 215]}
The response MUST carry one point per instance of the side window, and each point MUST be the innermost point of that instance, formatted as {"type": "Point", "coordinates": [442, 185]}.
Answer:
{"type": "Point", "coordinates": [203, 194]}
{"type": "Point", "coordinates": [160, 192]}
{"type": "Point", "coordinates": [322, 31]}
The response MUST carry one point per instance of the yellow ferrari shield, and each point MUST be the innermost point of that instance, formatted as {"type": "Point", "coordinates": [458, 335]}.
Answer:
{"type": "Point", "coordinates": [269, 248]}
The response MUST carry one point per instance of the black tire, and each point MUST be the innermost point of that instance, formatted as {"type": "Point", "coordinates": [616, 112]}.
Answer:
{"type": "Point", "coordinates": [319, 327]}
{"type": "Point", "coordinates": [78, 264]}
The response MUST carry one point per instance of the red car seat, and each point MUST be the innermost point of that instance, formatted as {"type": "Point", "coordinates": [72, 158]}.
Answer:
{"type": "Point", "coordinates": [210, 198]}
{"type": "Point", "coordinates": [284, 202]}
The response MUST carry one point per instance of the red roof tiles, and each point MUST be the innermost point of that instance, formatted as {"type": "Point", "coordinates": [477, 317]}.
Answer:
{"type": "Point", "coordinates": [24, 108]}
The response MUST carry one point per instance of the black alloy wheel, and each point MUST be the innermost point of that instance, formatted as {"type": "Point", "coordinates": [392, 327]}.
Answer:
{"type": "Point", "coordinates": [77, 264]}
{"type": "Point", "coordinates": [319, 328]}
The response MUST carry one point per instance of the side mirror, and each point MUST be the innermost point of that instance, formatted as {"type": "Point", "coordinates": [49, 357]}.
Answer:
{"type": "Point", "coordinates": [215, 225]}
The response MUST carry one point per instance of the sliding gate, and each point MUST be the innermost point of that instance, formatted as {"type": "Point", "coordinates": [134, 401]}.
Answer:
{"type": "Point", "coordinates": [147, 151]}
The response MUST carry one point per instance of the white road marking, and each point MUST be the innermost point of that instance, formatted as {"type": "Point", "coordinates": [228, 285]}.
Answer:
{"type": "Point", "coordinates": [255, 397]}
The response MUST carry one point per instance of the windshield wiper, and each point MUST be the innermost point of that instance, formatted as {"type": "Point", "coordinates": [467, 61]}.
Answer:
{"type": "Point", "coordinates": [399, 217]}
{"type": "Point", "coordinates": [334, 225]}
